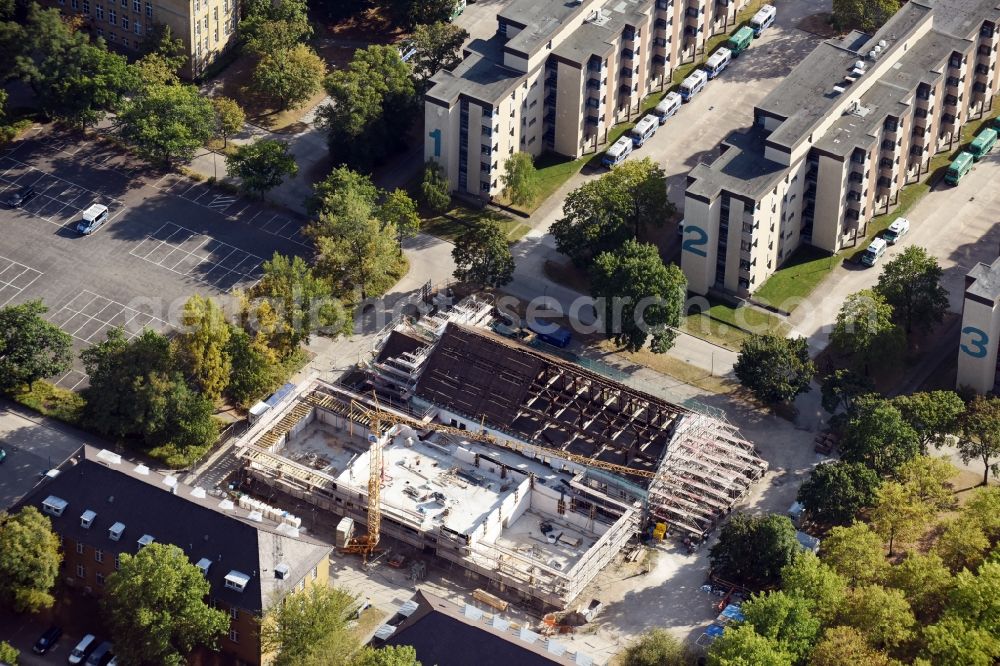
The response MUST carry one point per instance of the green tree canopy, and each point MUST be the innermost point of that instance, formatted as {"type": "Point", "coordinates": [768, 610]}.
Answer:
{"type": "Point", "coordinates": [600, 215]}
{"type": "Point", "coordinates": [229, 117]}
{"type": "Point", "coordinates": [752, 550]}
{"type": "Point", "coordinates": [774, 368]}
{"type": "Point", "coordinates": [289, 76]}
{"type": "Point", "coordinates": [955, 641]}
{"type": "Point", "coordinates": [202, 346]}
{"type": "Point", "coordinates": [29, 560]}
{"type": "Point", "coordinates": [167, 123]}
{"type": "Point", "coordinates": [865, 330]}
{"type": "Point", "coordinates": [309, 623]}
{"type": "Point", "coordinates": [899, 515]}
{"type": "Point", "coordinates": [878, 436]}
{"type": "Point", "coordinates": [520, 179]}
{"type": "Point", "coordinates": [810, 578]}
{"type": "Point", "coordinates": [656, 647]}
{"type": "Point", "coordinates": [975, 598]}
{"type": "Point", "coordinates": [845, 646]}
{"type": "Point", "coordinates": [409, 13]}
{"type": "Point", "coordinates": [925, 582]}
{"type": "Point", "coordinates": [438, 46]}
{"type": "Point", "coordinates": [928, 480]}
{"type": "Point", "coordinates": [865, 15]}
{"type": "Point", "coordinates": [835, 493]}
{"type": "Point", "coordinates": [268, 26]}
{"type": "Point", "coordinates": [30, 347]}
{"type": "Point", "coordinates": [400, 211]}
{"type": "Point", "coordinates": [639, 297]}
{"type": "Point", "coordinates": [435, 192]}
{"type": "Point", "coordinates": [330, 196]}
{"type": "Point", "coordinates": [911, 284]}
{"type": "Point", "coordinates": [786, 619]}
{"type": "Point", "coordinates": [389, 655]}
{"type": "Point", "coordinates": [881, 615]}
{"type": "Point", "coordinates": [8, 653]}
{"type": "Point", "coordinates": [933, 415]}
{"type": "Point", "coordinates": [482, 256]}
{"type": "Point", "coordinates": [980, 434]}
{"type": "Point", "coordinates": [740, 645]}
{"type": "Point", "coordinates": [155, 607]}
{"type": "Point", "coordinates": [253, 371]}
{"type": "Point", "coordinates": [962, 544]}
{"type": "Point", "coordinates": [842, 387]}
{"type": "Point", "coordinates": [983, 506]}
{"type": "Point", "coordinates": [373, 103]}
{"type": "Point", "coordinates": [856, 553]}
{"type": "Point", "coordinates": [261, 165]}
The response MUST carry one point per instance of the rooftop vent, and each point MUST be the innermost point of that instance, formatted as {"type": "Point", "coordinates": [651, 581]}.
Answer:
{"type": "Point", "coordinates": [109, 457]}
{"type": "Point", "coordinates": [237, 580]}
{"type": "Point", "coordinates": [170, 481]}
{"type": "Point", "coordinates": [408, 608]}
{"type": "Point", "coordinates": [142, 469]}
{"type": "Point", "coordinates": [882, 44]}
{"type": "Point", "coordinates": [599, 18]}
{"type": "Point", "coordinates": [54, 506]}
{"type": "Point", "coordinates": [198, 492]}
{"type": "Point", "coordinates": [204, 564]}
{"type": "Point", "coordinates": [115, 531]}
{"type": "Point", "coordinates": [281, 571]}
{"type": "Point", "coordinates": [145, 540]}
{"type": "Point", "coordinates": [256, 516]}
{"type": "Point", "coordinates": [227, 505]}
{"type": "Point", "coordinates": [860, 64]}
{"type": "Point", "coordinates": [383, 632]}
{"type": "Point", "coordinates": [87, 519]}
{"type": "Point", "coordinates": [873, 54]}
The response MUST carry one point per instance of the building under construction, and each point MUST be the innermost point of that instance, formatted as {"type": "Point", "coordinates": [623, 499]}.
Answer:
{"type": "Point", "coordinates": [511, 462]}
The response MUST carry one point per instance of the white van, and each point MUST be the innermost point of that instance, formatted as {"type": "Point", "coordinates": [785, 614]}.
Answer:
{"type": "Point", "coordinates": [718, 62]}
{"type": "Point", "coordinates": [82, 649]}
{"type": "Point", "coordinates": [693, 84]}
{"type": "Point", "coordinates": [899, 227]}
{"type": "Point", "coordinates": [763, 19]}
{"type": "Point", "coordinates": [644, 129]}
{"type": "Point", "coordinates": [617, 153]}
{"type": "Point", "coordinates": [668, 106]}
{"type": "Point", "coordinates": [874, 251]}
{"type": "Point", "coordinates": [93, 218]}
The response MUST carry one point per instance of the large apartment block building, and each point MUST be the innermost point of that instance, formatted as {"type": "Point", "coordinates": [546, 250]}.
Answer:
{"type": "Point", "coordinates": [206, 27]}
{"type": "Point", "coordinates": [555, 77]}
{"type": "Point", "coordinates": [832, 145]}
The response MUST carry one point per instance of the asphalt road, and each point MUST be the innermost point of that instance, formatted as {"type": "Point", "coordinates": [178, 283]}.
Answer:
{"type": "Point", "coordinates": [168, 237]}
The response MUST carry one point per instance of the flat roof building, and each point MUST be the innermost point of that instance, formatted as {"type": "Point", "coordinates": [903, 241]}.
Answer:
{"type": "Point", "coordinates": [831, 147]}
{"type": "Point", "coordinates": [977, 349]}
{"type": "Point", "coordinates": [557, 76]}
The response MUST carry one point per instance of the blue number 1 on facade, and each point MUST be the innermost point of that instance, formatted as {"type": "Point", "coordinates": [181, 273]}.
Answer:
{"type": "Point", "coordinates": [436, 135]}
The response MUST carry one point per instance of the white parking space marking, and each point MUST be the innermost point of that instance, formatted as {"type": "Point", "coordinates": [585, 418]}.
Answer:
{"type": "Point", "coordinates": [14, 278]}
{"type": "Point", "coordinates": [57, 201]}
{"type": "Point", "coordinates": [88, 317]}
{"type": "Point", "coordinates": [200, 257]}
{"type": "Point", "coordinates": [72, 380]}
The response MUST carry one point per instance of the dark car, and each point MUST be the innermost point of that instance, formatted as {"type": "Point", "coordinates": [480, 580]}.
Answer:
{"type": "Point", "coordinates": [22, 196]}
{"type": "Point", "coordinates": [47, 640]}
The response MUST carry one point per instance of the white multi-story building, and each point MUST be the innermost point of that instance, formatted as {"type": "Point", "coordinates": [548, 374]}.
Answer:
{"type": "Point", "coordinates": [977, 350]}
{"type": "Point", "coordinates": [834, 143]}
{"type": "Point", "coordinates": [555, 77]}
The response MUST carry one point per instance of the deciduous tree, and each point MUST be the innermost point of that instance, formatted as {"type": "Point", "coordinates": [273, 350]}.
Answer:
{"type": "Point", "coordinates": [841, 387]}
{"type": "Point", "coordinates": [775, 368]}
{"type": "Point", "coordinates": [389, 655]}
{"type": "Point", "coordinates": [520, 179]}
{"type": "Point", "coordinates": [810, 578]}
{"type": "Point", "coordinates": [866, 331]}
{"type": "Point", "coordinates": [482, 256]}
{"type": "Point", "coordinates": [865, 15]}
{"type": "Point", "coordinates": [316, 616]}
{"type": "Point", "coordinates": [29, 560]}
{"type": "Point", "coordinates": [881, 615]}
{"type": "Point", "coordinates": [268, 27]}
{"type": "Point", "coordinates": [434, 188]}
{"type": "Point", "coordinates": [925, 581]}
{"type": "Point", "coordinates": [928, 480]}
{"type": "Point", "coordinates": [740, 645]}
{"type": "Point", "coordinates": [911, 284]}
{"type": "Point", "coordinates": [639, 297]}
{"type": "Point", "coordinates": [254, 370]}
{"type": "Point", "coordinates": [373, 103]}
{"type": "Point", "coordinates": [155, 607]}
{"type": "Point", "coordinates": [975, 598]}
{"type": "Point", "coordinates": [898, 516]}
{"type": "Point", "coordinates": [289, 76]}
{"type": "Point", "coordinates": [855, 553]}
{"type": "Point", "coordinates": [409, 13]}
{"type": "Point", "coordinates": [786, 619]}
{"type": "Point", "coordinates": [30, 347]}
{"type": "Point", "coordinates": [202, 346]}
{"type": "Point", "coordinates": [955, 641]}
{"type": "Point", "coordinates": [962, 544]}
{"type": "Point", "coordinates": [836, 492]}
{"type": "Point", "coordinates": [438, 46]}
{"type": "Point", "coordinates": [167, 123]}
{"type": "Point", "coordinates": [877, 436]}
{"type": "Point", "coordinates": [261, 165]}
{"type": "Point", "coordinates": [399, 210]}
{"type": "Point", "coordinates": [933, 414]}
{"type": "Point", "coordinates": [600, 215]}
{"type": "Point", "coordinates": [8, 653]}
{"type": "Point", "coordinates": [753, 549]}
{"type": "Point", "coordinates": [980, 439]}
{"type": "Point", "coordinates": [845, 646]}
{"type": "Point", "coordinates": [656, 647]}
{"type": "Point", "coordinates": [229, 118]}
{"type": "Point", "coordinates": [983, 506]}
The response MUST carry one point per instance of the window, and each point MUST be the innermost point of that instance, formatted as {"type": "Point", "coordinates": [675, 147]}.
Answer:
{"type": "Point", "coordinates": [75, 4]}
{"type": "Point", "coordinates": [125, 4]}
{"type": "Point", "coordinates": [98, 555]}
{"type": "Point", "coordinates": [953, 81]}
{"type": "Point", "coordinates": [125, 23]}
{"type": "Point", "coordinates": [138, 28]}
{"type": "Point", "coordinates": [149, 10]}
{"type": "Point", "coordinates": [954, 61]}
{"type": "Point", "coordinates": [891, 124]}
{"type": "Point", "coordinates": [225, 6]}
{"type": "Point", "coordinates": [950, 100]}
{"type": "Point", "coordinates": [234, 613]}
{"type": "Point", "coordinates": [100, 32]}
{"type": "Point", "coordinates": [197, 28]}
{"type": "Point", "coordinates": [79, 548]}
{"type": "Point", "coordinates": [86, 6]}
{"type": "Point", "coordinates": [215, 13]}
{"type": "Point", "coordinates": [886, 162]}
{"type": "Point", "coordinates": [137, 6]}
{"type": "Point", "coordinates": [216, 35]}
{"type": "Point", "coordinates": [484, 186]}
{"type": "Point", "coordinates": [118, 562]}
{"type": "Point", "coordinates": [315, 573]}
{"type": "Point", "coordinates": [197, 6]}
{"type": "Point", "coordinates": [112, 17]}
{"type": "Point", "coordinates": [205, 23]}
{"type": "Point", "coordinates": [100, 12]}
{"type": "Point", "coordinates": [112, 37]}
{"type": "Point", "coordinates": [80, 571]}
{"type": "Point", "coordinates": [234, 636]}
{"type": "Point", "coordinates": [921, 113]}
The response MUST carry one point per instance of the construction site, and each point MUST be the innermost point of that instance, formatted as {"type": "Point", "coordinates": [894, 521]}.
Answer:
{"type": "Point", "coordinates": [511, 462]}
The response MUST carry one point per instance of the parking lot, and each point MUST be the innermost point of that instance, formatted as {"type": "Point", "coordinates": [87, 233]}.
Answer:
{"type": "Point", "coordinates": [167, 237]}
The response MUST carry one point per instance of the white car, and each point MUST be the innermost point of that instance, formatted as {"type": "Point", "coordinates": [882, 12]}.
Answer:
{"type": "Point", "coordinates": [896, 230]}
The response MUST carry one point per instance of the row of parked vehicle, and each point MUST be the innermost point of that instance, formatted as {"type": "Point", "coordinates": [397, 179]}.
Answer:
{"type": "Point", "coordinates": [89, 651]}
{"type": "Point", "coordinates": [691, 86]}
{"type": "Point", "coordinates": [92, 219]}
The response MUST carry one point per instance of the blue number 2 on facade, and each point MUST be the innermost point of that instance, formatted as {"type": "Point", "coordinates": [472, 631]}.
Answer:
{"type": "Point", "coordinates": [436, 135]}
{"type": "Point", "coordinates": [699, 238]}
{"type": "Point", "coordinates": [976, 347]}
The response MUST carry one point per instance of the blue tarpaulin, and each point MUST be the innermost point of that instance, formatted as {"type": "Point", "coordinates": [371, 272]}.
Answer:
{"type": "Point", "coordinates": [714, 630]}
{"type": "Point", "coordinates": [732, 612]}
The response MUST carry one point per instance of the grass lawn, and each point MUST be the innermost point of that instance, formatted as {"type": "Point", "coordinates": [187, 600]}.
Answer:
{"type": "Point", "coordinates": [797, 278]}
{"type": "Point", "coordinates": [728, 327]}
{"type": "Point", "coordinates": [674, 367]}
{"type": "Point", "coordinates": [50, 400]}
{"type": "Point", "coordinates": [460, 219]}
